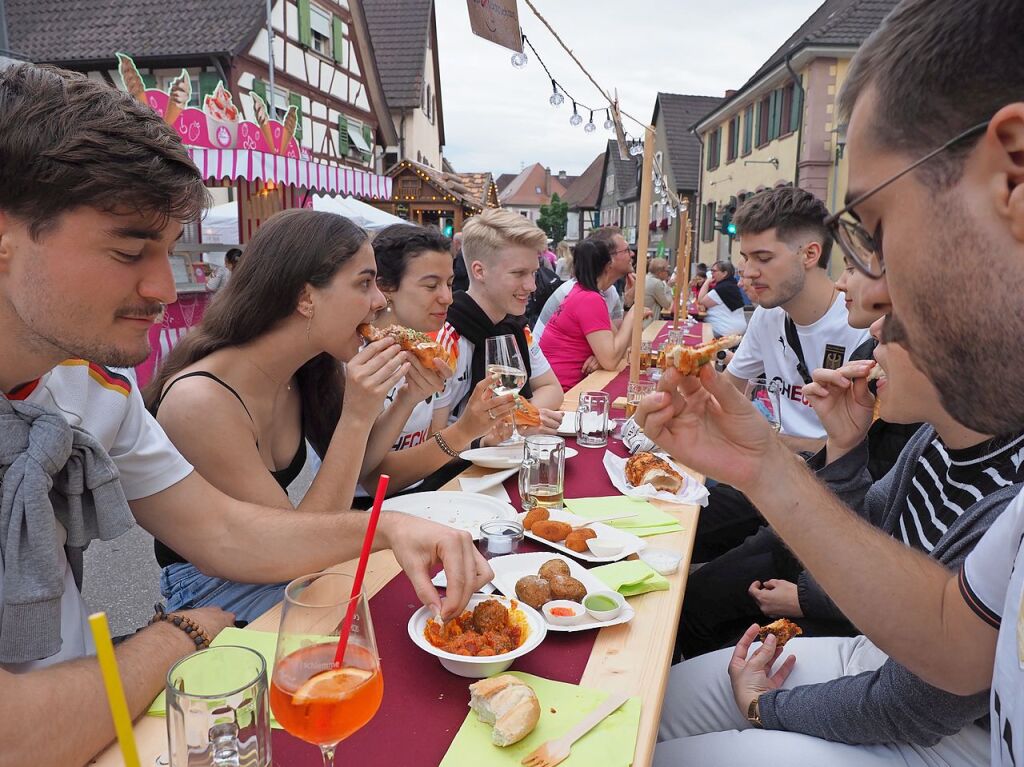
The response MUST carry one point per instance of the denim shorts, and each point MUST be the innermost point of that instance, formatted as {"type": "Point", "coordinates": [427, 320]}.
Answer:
{"type": "Point", "coordinates": [184, 588]}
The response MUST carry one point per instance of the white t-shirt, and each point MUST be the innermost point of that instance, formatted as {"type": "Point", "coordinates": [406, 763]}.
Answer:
{"type": "Point", "coordinates": [992, 583]}
{"type": "Point", "coordinates": [458, 387]}
{"type": "Point", "coordinates": [765, 351]}
{"type": "Point", "coordinates": [108, 406]}
{"type": "Point", "coordinates": [611, 297]}
{"type": "Point", "coordinates": [723, 321]}
{"type": "Point", "coordinates": [416, 429]}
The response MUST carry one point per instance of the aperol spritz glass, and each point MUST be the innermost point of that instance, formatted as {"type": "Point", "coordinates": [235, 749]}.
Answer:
{"type": "Point", "coordinates": [312, 697]}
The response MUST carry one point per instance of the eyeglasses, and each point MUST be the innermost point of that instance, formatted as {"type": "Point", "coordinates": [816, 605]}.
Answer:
{"type": "Point", "coordinates": [863, 249]}
{"type": "Point", "coordinates": [626, 249]}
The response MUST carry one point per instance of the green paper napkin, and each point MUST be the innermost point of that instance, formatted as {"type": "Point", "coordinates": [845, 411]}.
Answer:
{"type": "Point", "coordinates": [263, 642]}
{"type": "Point", "coordinates": [610, 744]}
{"type": "Point", "coordinates": [648, 515]}
{"type": "Point", "coordinates": [631, 577]}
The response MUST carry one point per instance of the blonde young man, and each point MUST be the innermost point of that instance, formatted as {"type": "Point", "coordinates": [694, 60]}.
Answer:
{"type": "Point", "coordinates": [500, 248]}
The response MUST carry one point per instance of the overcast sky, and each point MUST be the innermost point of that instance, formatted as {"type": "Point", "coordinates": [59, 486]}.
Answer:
{"type": "Point", "coordinates": [497, 118]}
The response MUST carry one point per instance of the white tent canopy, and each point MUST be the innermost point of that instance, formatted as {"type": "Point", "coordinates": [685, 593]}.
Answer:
{"type": "Point", "coordinates": [221, 222]}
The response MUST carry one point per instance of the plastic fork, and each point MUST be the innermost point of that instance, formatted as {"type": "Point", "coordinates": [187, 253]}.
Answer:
{"type": "Point", "coordinates": [557, 750]}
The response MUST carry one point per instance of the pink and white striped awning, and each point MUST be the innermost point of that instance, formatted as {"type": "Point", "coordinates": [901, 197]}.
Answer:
{"type": "Point", "coordinates": [252, 165]}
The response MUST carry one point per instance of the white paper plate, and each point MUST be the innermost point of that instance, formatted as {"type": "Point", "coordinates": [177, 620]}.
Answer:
{"type": "Point", "coordinates": [631, 544]}
{"type": "Point", "coordinates": [463, 511]}
{"type": "Point", "coordinates": [510, 568]}
{"type": "Point", "coordinates": [502, 457]}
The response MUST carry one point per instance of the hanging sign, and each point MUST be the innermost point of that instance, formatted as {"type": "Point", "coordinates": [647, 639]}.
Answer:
{"type": "Point", "coordinates": [218, 125]}
{"type": "Point", "coordinates": [497, 21]}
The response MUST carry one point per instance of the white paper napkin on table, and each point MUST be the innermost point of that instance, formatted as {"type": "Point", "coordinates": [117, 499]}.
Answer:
{"type": "Point", "coordinates": [441, 581]}
{"type": "Point", "coordinates": [691, 491]}
{"type": "Point", "coordinates": [489, 484]}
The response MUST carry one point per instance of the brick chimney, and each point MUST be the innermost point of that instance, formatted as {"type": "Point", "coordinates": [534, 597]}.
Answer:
{"type": "Point", "coordinates": [561, 175]}
{"type": "Point", "coordinates": [730, 93]}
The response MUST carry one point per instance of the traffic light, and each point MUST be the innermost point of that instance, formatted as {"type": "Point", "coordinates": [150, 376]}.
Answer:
{"type": "Point", "coordinates": [723, 219]}
{"type": "Point", "coordinates": [448, 231]}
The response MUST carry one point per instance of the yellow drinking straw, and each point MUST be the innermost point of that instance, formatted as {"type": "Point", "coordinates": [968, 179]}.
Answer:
{"type": "Point", "coordinates": [115, 692]}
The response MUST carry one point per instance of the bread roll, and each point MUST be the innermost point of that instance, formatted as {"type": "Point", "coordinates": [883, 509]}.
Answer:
{"type": "Point", "coordinates": [507, 703]}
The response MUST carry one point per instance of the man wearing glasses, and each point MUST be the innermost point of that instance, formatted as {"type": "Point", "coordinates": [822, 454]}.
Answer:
{"type": "Point", "coordinates": [935, 101]}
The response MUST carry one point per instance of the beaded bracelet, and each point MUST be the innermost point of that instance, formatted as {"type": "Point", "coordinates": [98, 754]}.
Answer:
{"type": "Point", "coordinates": [195, 632]}
{"type": "Point", "coordinates": [444, 445]}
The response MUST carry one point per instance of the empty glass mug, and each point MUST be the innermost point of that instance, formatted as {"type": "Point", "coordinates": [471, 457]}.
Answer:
{"type": "Point", "coordinates": [767, 399]}
{"type": "Point", "coordinates": [218, 713]}
{"type": "Point", "coordinates": [592, 419]}
{"type": "Point", "coordinates": [542, 473]}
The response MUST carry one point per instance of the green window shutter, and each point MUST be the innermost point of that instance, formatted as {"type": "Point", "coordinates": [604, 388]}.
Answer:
{"type": "Point", "coordinates": [796, 117]}
{"type": "Point", "coordinates": [149, 80]}
{"type": "Point", "coordinates": [748, 129]}
{"type": "Point", "coordinates": [295, 100]}
{"type": "Point", "coordinates": [343, 135]}
{"type": "Point", "coordinates": [368, 138]}
{"type": "Point", "coordinates": [337, 40]}
{"type": "Point", "coordinates": [778, 113]}
{"type": "Point", "coordinates": [305, 29]}
{"type": "Point", "coordinates": [771, 116]}
{"type": "Point", "coordinates": [260, 89]}
{"type": "Point", "coordinates": [207, 85]}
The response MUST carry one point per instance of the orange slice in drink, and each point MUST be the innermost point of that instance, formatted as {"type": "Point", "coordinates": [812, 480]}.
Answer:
{"type": "Point", "coordinates": [333, 684]}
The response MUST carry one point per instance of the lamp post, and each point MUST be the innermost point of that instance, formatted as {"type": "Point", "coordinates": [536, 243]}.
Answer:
{"type": "Point", "coordinates": [270, 57]}
{"type": "Point", "coordinates": [840, 134]}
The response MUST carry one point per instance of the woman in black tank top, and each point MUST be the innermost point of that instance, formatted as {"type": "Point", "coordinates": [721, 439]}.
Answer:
{"type": "Point", "coordinates": [266, 371]}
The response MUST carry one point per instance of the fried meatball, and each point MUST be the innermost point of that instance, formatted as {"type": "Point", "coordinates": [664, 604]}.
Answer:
{"type": "Point", "coordinates": [490, 614]}
{"type": "Point", "coordinates": [533, 591]}
{"type": "Point", "coordinates": [535, 515]}
{"type": "Point", "coordinates": [553, 567]}
{"type": "Point", "coordinates": [577, 539]}
{"type": "Point", "coordinates": [550, 530]}
{"type": "Point", "coordinates": [566, 587]}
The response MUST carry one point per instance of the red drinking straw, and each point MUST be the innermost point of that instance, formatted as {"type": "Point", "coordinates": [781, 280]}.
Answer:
{"type": "Point", "coordinates": [357, 585]}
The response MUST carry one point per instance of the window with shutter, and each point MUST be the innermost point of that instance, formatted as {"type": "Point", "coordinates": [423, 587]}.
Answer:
{"type": "Point", "coordinates": [305, 25]}
{"type": "Point", "coordinates": [343, 139]}
{"type": "Point", "coordinates": [260, 89]}
{"type": "Point", "coordinates": [149, 80]}
{"type": "Point", "coordinates": [797, 111]}
{"type": "Point", "coordinates": [368, 136]}
{"type": "Point", "coordinates": [295, 100]}
{"type": "Point", "coordinates": [762, 122]}
{"type": "Point", "coordinates": [777, 123]}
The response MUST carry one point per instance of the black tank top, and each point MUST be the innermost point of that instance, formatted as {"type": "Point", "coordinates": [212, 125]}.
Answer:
{"type": "Point", "coordinates": [165, 555]}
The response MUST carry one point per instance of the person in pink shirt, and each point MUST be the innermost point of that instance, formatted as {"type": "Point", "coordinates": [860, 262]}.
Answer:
{"type": "Point", "coordinates": [581, 327]}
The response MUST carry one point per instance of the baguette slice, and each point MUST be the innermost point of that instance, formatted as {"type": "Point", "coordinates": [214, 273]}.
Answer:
{"type": "Point", "coordinates": [507, 703]}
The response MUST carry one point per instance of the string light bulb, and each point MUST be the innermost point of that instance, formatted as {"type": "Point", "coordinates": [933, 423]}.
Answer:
{"type": "Point", "coordinates": [519, 59]}
{"type": "Point", "coordinates": [637, 148]}
{"type": "Point", "coordinates": [590, 127]}
{"type": "Point", "coordinates": [609, 123]}
{"type": "Point", "coordinates": [575, 120]}
{"type": "Point", "coordinates": [557, 98]}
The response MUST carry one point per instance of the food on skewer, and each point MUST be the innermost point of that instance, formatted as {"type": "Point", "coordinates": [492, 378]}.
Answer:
{"type": "Point", "coordinates": [688, 360]}
{"type": "Point", "coordinates": [646, 468]}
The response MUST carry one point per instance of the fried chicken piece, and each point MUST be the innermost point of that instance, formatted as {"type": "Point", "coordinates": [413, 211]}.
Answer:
{"type": "Point", "coordinates": [648, 469]}
{"type": "Point", "coordinates": [783, 629]}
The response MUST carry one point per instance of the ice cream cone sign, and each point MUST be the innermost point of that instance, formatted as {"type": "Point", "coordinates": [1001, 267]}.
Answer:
{"type": "Point", "coordinates": [290, 121]}
{"type": "Point", "coordinates": [178, 96]}
{"type": "Point", "coordinates": [130, 78]}
{"type": "Point", "coordinates": [259, 108]}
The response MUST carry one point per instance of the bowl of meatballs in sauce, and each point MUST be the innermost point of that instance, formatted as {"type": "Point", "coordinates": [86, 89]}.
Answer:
{"type": "Point", "coordinates": [484, 640]}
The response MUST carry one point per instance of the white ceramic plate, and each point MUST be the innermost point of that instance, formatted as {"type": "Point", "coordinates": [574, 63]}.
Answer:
{"type": "Point", "coordinates": [478, 668]}
{"type": "Point", "coordinates": [510, 568]}
{"type": "Point", "coordinates": [463, 511]}
{"type": "Point", "coordinates": [568, 425]}
{"type": "Point", "coordinates": [631, 544]}
{"type": "Point", "coordinates": [502, 457]}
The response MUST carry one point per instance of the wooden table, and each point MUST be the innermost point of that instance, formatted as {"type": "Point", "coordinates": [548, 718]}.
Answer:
{"type": "Point", "coordinates": [632, 657]}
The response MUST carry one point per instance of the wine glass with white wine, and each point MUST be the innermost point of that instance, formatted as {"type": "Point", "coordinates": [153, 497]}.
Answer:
{"type": "Point", "coordinates": [507, 372]}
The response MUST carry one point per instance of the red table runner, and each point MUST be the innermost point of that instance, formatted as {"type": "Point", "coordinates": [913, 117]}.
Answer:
{"type": "Point", "coordinates": [424, 705]}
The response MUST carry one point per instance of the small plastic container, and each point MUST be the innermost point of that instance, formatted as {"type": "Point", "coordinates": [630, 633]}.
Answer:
{"type": "Point", "coordinates": [500, 537]}
{"type": "Point", "coordinates": [578, 612]}
{"type": "Point", "coordinates": [592, 603]}
{"type": "Point", "coordinates": [662, 561]}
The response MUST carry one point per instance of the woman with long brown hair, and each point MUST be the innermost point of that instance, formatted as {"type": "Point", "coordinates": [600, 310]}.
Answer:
{"type": "Point", "coordinates": [267, 371]}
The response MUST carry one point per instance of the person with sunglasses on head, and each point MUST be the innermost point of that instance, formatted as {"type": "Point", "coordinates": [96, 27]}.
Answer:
{"type": "Point", "coordinates": [936, 194]}
{"type": "Point", "coordinates": [801, 323]}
